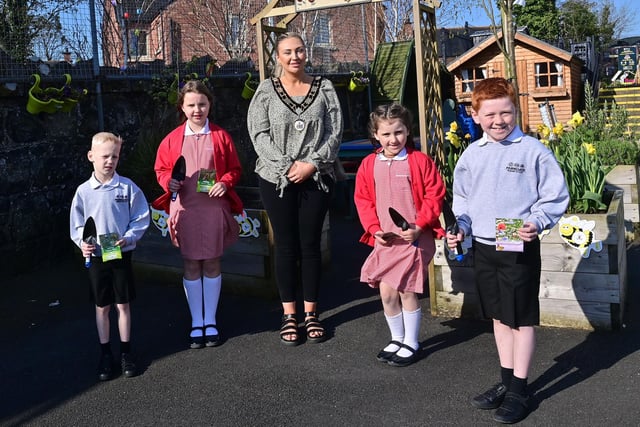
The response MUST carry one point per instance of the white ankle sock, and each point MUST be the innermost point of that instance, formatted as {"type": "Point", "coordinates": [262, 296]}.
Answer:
{"type": "Point", "coordinates": [193, 292]}
{"type": "Point", "coordinates": [412, 321]}
{"type": "Point", "coordinates": [211, 287]}
{"type": "Point", "coordinates": [396, 327]}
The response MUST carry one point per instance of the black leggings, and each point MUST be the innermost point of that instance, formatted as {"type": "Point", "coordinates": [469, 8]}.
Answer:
{"type": "Point", "coordinates": [296, 219]}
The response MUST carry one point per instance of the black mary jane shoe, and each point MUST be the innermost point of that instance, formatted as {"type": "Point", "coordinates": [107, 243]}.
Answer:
{"type": "Point", "coordinates": [197, 342]}
{"type": "Point", "coordinates": [212, 340]}
{"type": "Point", "coordinates": [385, 356]}
{"type": "Point", "coordinates": [400, 361]}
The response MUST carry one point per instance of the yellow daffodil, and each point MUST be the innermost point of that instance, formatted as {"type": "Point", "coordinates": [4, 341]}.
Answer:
{"type": "Point", "coordinates": [453, 127]}
{"type": "Point", "coordinates": [467, 136]}
{"type": "Point", "coordinates": [453, 138]}
{"type": "Point", "coordinates": [544, 132]}
{"type": "Point", "coordinates": [590, 148]}
{"type": "Point", "coordinates": [576, 120]}
{"type": "Point", "coordinates": [545, 142]}
{"type": "Point", "coordinates": [558, 129]}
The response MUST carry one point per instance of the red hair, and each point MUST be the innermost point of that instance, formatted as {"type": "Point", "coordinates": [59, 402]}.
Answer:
{"type": "Point", "coordinates": [492, 88]}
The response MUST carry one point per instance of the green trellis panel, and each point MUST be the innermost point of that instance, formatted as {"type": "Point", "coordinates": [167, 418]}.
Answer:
{"type": "Point", "coordinates": [393, 76]}
{"type": "Point", "coordinates": [390, 70]}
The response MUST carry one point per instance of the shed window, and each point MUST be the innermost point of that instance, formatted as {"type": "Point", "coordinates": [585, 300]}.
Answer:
{"type": "Point", "coordinates": [470, 76]}
{"type": "Point", "coordinates": [549, 74]}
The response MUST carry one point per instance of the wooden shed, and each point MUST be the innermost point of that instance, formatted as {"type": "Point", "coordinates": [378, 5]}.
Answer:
{"type": "Point", "coordinates": [549, 78]}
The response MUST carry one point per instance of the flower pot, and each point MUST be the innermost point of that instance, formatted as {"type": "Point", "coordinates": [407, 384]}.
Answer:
{"type": "Point", "coordinates": [51, 100]}
{"type": "Point", "coordinates": [37, 103]}
{"type": "Point", "coordinates": [248, 90]}
{"type": "Point", "coordinates": [357, 82]}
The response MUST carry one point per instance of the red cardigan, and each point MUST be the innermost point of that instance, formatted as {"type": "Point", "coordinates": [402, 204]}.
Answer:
{"type": "Point", "coordinates": [225, 160]}
{"type": "Point", "coordinates": [428, 191]}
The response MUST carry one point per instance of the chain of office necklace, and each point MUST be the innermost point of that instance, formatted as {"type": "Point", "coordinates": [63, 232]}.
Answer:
{"type": "Point", "coordinates": [297, 108]}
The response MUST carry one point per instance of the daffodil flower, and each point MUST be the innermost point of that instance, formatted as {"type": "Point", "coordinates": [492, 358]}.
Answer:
{"type": "Point", "coordinates": [453, 138]}
{"type": "Point", "coordinates": [576, 120]}
{"type": "Point", "coordinates": [558, 129]}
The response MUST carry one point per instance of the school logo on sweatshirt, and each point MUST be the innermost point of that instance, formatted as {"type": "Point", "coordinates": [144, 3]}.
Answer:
{"type": "Point", "coordinates": [515, 167]}
{"type": "Point", "coordinates": [122, 198]}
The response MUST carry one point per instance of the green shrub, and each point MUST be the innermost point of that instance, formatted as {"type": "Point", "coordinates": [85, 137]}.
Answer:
{"type": "Point", "coordinates": [618, 151]}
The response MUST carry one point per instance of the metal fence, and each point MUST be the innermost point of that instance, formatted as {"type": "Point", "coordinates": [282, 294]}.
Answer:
{"type": "Point", "coordinates": [123, 38]}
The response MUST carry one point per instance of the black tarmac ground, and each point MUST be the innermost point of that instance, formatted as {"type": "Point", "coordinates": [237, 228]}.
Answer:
{"type": "Point", "coordinates": [49, 355]}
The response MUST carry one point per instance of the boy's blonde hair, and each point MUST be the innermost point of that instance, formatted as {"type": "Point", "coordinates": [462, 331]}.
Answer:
{"type": "Point", "coordinates": [102, 137]}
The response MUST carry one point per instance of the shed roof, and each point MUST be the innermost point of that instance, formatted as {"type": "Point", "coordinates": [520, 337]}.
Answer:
{"type": "Point", "coordinates": [524, 39]}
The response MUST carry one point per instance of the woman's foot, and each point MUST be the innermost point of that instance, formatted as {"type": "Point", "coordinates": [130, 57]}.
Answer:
{"type": "Point", "coordinates": [315, 331]}
{"type": "Point", "coordinates": [289, 330]}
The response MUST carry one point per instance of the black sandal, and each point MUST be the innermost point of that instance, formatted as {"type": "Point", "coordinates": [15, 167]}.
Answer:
{"type": "Point", "coordinates": [289, 327]}
{"type": "Point", "coordinates": [315, 331]}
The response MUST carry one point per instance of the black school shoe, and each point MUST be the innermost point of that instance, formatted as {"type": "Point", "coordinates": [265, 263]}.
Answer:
{"type": "Point", "coordinates": [105, 367]}
{"type": "Point", "coordinates": [196, 342]}
{"type": "Point", "coordinates": [399, 361]}
{"type": "Point", "coordinates": [212, 340]}
{"type": "Point", "coordinates": [490, 399]}
{"type": "Point", "coordinates": [384, 356]}
{"type": "Point", "coordinates": [128, 366]}
{"type": "Point", "coordinates": [514, 409]}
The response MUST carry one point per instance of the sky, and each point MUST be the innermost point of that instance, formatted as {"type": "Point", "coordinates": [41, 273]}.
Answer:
{"type": "Point", "coordinates": [479, 18]}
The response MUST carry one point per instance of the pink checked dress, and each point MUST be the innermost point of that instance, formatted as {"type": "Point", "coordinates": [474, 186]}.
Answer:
{"type": "Point", "coordinates": [204, 225]}
{"type": "Point", "coordinates": [401, 265]}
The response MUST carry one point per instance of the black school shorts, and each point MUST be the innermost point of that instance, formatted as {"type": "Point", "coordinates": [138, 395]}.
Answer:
{"type": "Point", "coordinates": [509, 283]}
{"type": "Point", "coordinates": [112, 281]}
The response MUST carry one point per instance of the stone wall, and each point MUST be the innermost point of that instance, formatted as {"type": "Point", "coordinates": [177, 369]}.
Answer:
{"type": "Point", "coordinates": [43, 158]}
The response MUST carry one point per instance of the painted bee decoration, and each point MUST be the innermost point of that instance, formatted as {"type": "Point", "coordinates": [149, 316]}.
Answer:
{"type": "Point", "coordinates": [579, 234]}
{"type": "Point", "coordinates": [248, 227]}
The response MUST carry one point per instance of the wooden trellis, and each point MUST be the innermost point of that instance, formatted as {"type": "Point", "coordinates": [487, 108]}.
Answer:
{"type": "Point", "coordinates": [427, 63]}
{"type": "Point", "coordinates": [428, 74]}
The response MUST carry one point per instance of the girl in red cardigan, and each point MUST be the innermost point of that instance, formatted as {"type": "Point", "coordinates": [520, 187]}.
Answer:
{"type": "Point", "coordinates": [397, 176]}
{"type": "Point", "coordinates": [201, 219]}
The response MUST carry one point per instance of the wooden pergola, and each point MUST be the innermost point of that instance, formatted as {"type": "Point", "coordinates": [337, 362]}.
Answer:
{"type": "Point", "coordinates": [427, 65]}
{"type": "Point", "coordinates": [426, 46]}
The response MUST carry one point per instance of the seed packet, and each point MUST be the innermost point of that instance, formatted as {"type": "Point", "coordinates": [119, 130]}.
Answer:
{"type": "Point", "coordinates": [110, 250]}
{"type": "Point", "coordinates": [206, 180]}
{"type": "Point", "coordinates": [507, 238]}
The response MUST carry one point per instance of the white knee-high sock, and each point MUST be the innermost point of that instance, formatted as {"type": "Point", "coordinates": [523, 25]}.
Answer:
{"type": "Point", "coordinates": [396, 327]}
{"type": "Point", "coordinates": [193, 292]}
{"type": "Point", "coordinates": [412, 321]}
{"type": "Point", "coordinates": [211, 286]}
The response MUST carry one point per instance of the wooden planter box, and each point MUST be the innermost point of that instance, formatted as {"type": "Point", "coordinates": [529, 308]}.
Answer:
{"type": "Point", "coordinates": [575, 292]}
{"type": "Point", "coordinates": [625, 178]}
{"type": "Point", "coordinates": [247, 265]}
